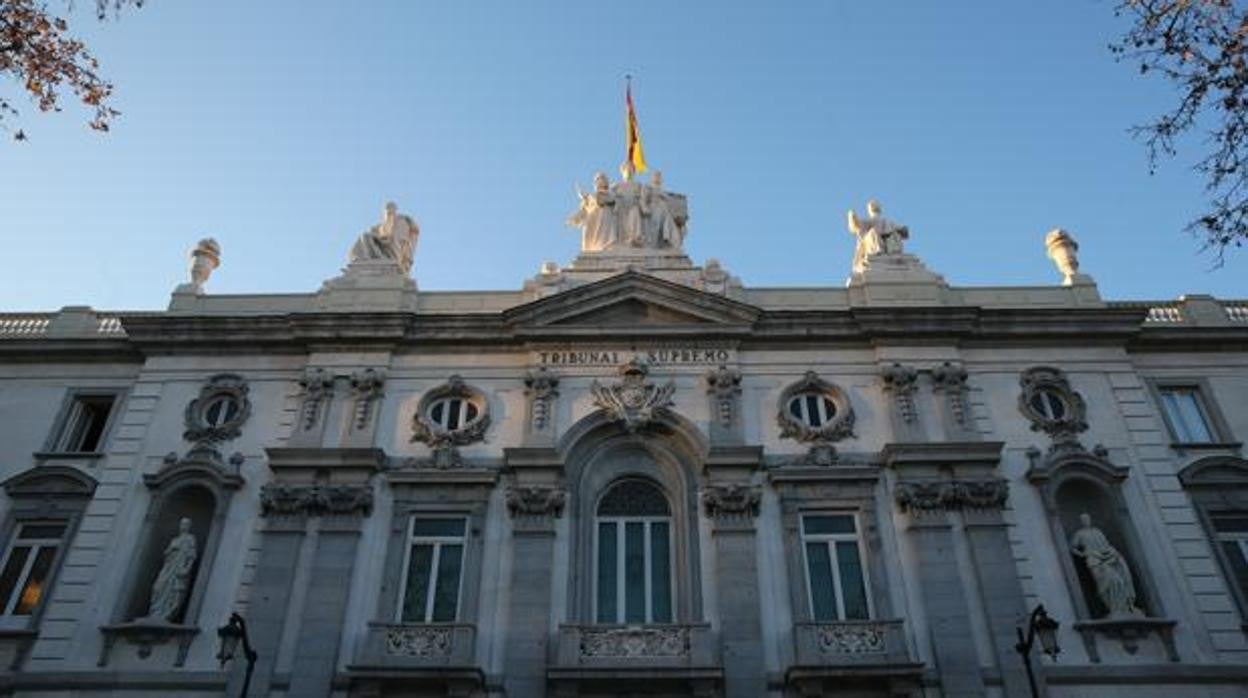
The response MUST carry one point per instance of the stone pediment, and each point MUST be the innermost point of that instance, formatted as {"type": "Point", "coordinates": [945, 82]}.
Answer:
{"type": "Point", "coordinates": [632, 302]}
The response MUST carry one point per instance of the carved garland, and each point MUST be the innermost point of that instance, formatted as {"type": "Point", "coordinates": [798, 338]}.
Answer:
{"type": "Point", "coordinates": [535, 502]}
{"type": "Point", "coordinates": [635, 642]}
{"type": "Point", "coordinates": [937, 495]}
{"type": "Point", "coordinates": [840, 426]}
{"type": "Point", "coordinates": [731, 501]}
{"type": "Point", "coordinates": [318, 386]}
{"type": "Point", "coordinates": [950, 379]}
{"type": "Point", "coordinates": [1048, 401]}
{"type": "Point", "coordinates": [633, 401]}
{"type": "Point", "coordinates": [221, 387]}
{"type": "Point", "coordinates": [443, 441]}
{"type": "Point", "coordinates": [901, 381]}
{"type": "Point", "coordinates": [281, 499]}
{"type": "Point", "coordinates": [367, 384]}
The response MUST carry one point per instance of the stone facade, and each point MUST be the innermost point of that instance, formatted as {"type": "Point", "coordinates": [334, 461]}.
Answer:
{"type": "Point", "coordinates": [626, 480]}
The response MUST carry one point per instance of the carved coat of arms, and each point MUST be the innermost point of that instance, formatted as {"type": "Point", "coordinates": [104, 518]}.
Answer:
{"type": "Point", "coordinates": [633, 401]}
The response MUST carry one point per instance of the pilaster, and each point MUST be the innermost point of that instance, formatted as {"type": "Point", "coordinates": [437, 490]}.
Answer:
{"type": "Point", "coordinates": [733, 508]}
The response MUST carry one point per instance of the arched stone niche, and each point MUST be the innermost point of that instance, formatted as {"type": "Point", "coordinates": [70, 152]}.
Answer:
{"type": "Point", "coordinates": [600, 453]}
{"type": "Point", "coordinates": [1075, 482]}
{"type": "Point", "coordinates": [199, 488]}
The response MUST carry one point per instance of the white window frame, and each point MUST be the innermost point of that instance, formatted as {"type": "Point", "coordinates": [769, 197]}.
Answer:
{"type": "Point", "coordinates": [73, 416]}
{"type": "Point", "coordinates": [1179, 429]}
{"type": "Point", "coordinates": [447, 402]}
{"type": "Point", "coordinates": [7, 606]}
{"type": "Point", "coordinates": [830, 540]}
{"type": "Point", "coordinates": [822, 400]}
{"type": "Point", "coordinates": [431, 591]}
{"type": "Point", "coordinates": [620, 523]}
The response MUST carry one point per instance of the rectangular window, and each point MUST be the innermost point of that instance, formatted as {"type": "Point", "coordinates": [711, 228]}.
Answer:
{"type": "Point", "coordinates": [634, 579]}
{"type": "Point", "coordinates": [835, 575]}
{"type": "Point", "coordinates": [1232, 532]}
{"type": "Point", "coordinates": [82, 430]}
{"type": "Point", "coordinates": [432, 570]}
{"type": "Point", "coordinates": [1186, 414]}
{"type": "Point", "coordinates": [26, 566]}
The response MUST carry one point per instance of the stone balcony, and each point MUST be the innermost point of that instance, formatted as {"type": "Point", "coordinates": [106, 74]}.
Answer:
{"type": "Point", "coordinates": [682, 658]}
{"type": "Point", "coordinates": [432, 655]}
{"type": "Point", "coordinates": [868, 653]}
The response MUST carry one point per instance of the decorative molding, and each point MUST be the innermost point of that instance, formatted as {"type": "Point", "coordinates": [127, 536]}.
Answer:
{"type": "Point", "coordinates": [633, 401]}
{"type": "Point", "coordinates": [724, 386]}
{"type": "Point", "coordinates": [731, 501]}
{"type": "Point", "coordinates": [202, 461]}
{"type": "Point", "coordinates": [1063, 429]}
{"type": "Point", "coordinates": [841, 426]}
{"type": "Point", "coordinates": [536, 502]}
{"type": "Point", "coordinates": [950, 379]}
{"type": "Point", "coordinates": [901, 381]}
{"type": "Point", "coordinates": [1129, 632]}
{"type": "Point", "coordinates": [282, 499]}
{"type": "Point", "coordinates": [933, 495]}
{"type": "Point", "coordinates": [445, 442]}
{"type": "Point", "coordinates": [367, 384]}
{"type": "Point", "coordinates": [318, 386]}
{"type": "Point", "coordinates": [423, 642]}
{"type": "Point", "coordinates": [635, 642]}
{"type": "Point", "coordinates": [851, 638]}
{"type": "Point", "coordinates": [50, 482]}
{"type": "Point", "coordinates": [221, 385]}
{"type": "Point", "coordinates": [541, 387]}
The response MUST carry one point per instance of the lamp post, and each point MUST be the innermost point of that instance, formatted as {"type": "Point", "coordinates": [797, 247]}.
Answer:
{"type": "Point", "coordinates": [1039, 625]}
{"type": "Point", "coordinates": [229, 635]}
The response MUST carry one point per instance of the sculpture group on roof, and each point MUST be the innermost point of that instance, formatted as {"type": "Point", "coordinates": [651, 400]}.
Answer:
{"type": "Point", "coordinates": [630, 215]}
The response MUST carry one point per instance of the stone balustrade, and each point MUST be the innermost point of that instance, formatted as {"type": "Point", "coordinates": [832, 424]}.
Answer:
{"type": "Point", "coordinates": [417, 646]}
{"type": "Point", "coordinates": [1191, 310]}
{"type": "Point", "coordinates": [667, 645]}
{"type": "Point", "coordinates": [75, 322]}
{"type": "Point", "coordinates": [851, 642]}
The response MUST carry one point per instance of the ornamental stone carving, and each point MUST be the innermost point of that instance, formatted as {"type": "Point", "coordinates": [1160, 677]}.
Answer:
{"type": "Point", "coordinates": [1109, 569]}
{"type": "Point", "coordinates": [828, 428]}
{"type": "Point", "coordinates": [731, 501]}
{"type": "Point", "coordinates": [851, 638]}
{"type": "Point", "coordinates": [441, 438]}
{"type": "Point", "coordinates": [630, 216]}
{"type": "Point", "coordinates": [282, 499]}
{"type": "Point", "coordinates": [422, 642]}
{"type": "Point", "coordinates": [536, 502]}
{"type": "Point", "coordinates": [635, 642]}
{"type": "Point", "coordinates": [901, 381]}
{"type": "Point", "coordinates": [633, 401]}
{"type": "Point", "coordinates": [204, 257]}
{"type": "Point", "coordinates": [367, 385]}
{"type": "Point", "coordinates": [876, 236]}
{"type": "Point", "coordinates": [936, 495]}
{"type": "Point", "coordinates": [392, 241]}
{"type": "Point", "coordinates": [1051, 406]}
{"type": "Point", "coordinates": [541, 387]}
{"type": "Point", "coordinates": [724, 386]}
{"type": "Point", "coordinates": [318, 387]}
{"type": "Point", "coordinates": [949, 379]}
{"type": "Point", "coordinates": [220, 410]}
{"type": "Point", "coordinates": [174, 578]}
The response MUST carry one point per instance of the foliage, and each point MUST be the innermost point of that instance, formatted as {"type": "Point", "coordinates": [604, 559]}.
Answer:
{"type": "Point", "coordinates": [1200, 47]}
{"type": "Point", "coordinates": [37, 53]}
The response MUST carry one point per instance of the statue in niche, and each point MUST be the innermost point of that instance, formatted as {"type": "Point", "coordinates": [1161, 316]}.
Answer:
{"type": "Point", "coordinates": [876, 235]}
{"type": "Point", "coordinates": [630, 216]}
{"type": "Point", "coordinates": [1114, 585]}
{"type": "Point", "coordinates": [393, 239]}
{"type": "Point", "coordinates": [174, 579]}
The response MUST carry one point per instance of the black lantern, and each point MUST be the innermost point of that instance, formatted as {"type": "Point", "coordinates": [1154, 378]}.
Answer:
{"type": "Point", "coordinates": [1039, 625]}
{"type": "Point", "coordinates": [229, 636]}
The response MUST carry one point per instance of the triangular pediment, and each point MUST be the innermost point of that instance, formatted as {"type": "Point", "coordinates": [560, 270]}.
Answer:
{"type": "Point", "coordinates": [632, 302]}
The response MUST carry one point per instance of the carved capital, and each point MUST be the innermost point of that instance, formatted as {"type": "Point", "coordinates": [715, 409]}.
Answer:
{"type": "Point", "coordinates": [731, 501]}
{"type": "Point", "coordinates": [536, 502]}
{"type": "Point", "coordinates": [281, 499]}
{"type": "Point", "coordinates": [633, 401]}
{"type": "Point", "coordinates": [949, 495]}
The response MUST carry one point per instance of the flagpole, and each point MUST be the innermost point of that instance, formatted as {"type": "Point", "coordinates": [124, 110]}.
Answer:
{"type": "Point", "coordinates": [628, 170]}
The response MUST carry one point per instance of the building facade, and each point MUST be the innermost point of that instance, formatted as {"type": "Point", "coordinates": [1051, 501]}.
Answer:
{"type": "Point", "coordinates": [633, 476]}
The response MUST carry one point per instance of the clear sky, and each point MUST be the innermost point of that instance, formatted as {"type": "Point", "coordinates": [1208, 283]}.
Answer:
{"type": "Point", "coordinates": [280, 129]}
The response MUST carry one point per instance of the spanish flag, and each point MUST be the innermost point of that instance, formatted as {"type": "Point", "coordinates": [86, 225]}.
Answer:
{"type": "Point", "coordinates": [634, 159]}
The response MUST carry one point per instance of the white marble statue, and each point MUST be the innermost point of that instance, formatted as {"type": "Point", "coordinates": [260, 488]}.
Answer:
{"type": "Point", "coordinates": [1114, 585]}
{"type": "Point", "coordinates": [394, 238]}
{"type": "Point", "coordinates": [174, 579]}
{"type": "Point", "coordinates": [630, 216]}
{"type": "Point", "coordinates": [876, 235]}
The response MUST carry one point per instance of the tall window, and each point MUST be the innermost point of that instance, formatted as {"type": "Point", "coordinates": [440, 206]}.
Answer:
{"type": "Point", "coordinates": [1186, 414]}
{"type": "Point", "coordinates": [83, 428]}
{"type": "Point", "coordinates": [835, 577]}
{"type": "Point", "coordinates": [27, 566]}
{"type": "Point", "coordinates": [1232, 533]}
{"type": "Point", "coordinates": [434, 566]}
{"type": "Point", "coordinates": [634, 554]}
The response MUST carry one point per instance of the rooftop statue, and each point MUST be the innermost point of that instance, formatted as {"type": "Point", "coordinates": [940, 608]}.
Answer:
{"type": "Point", "coordinates": [876, 235]}
{"type": "Point", "coordinates": [394, 238]}
{"type": "Point", "coordinates": [630, 216]}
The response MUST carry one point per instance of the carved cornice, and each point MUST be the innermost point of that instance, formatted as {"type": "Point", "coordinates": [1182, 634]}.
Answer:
{"type": "Point", "coordinates": [536, 502]}
{"type": "Point", "coordinates": [731, 501]}
{"type": "Point", "coordinates": [633, 401]}
{"type": "Point", "coordinates": [282, 499]}
{"type": "Point", "coordinates": [949, 495]}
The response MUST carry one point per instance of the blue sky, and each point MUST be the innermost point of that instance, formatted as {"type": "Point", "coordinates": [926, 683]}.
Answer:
{"type": "Point", "coordinates": [280, 128]}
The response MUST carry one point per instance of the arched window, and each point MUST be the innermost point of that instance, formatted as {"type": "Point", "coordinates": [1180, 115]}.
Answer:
{"type": "Point", "coordinates": [633, 553]}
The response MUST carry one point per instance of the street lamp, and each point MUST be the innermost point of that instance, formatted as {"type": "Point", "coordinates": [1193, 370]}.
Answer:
{"type": "Point", "coordinates": [229, 635]}
{"type": "Point", "coordinates": [1041, 626]}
